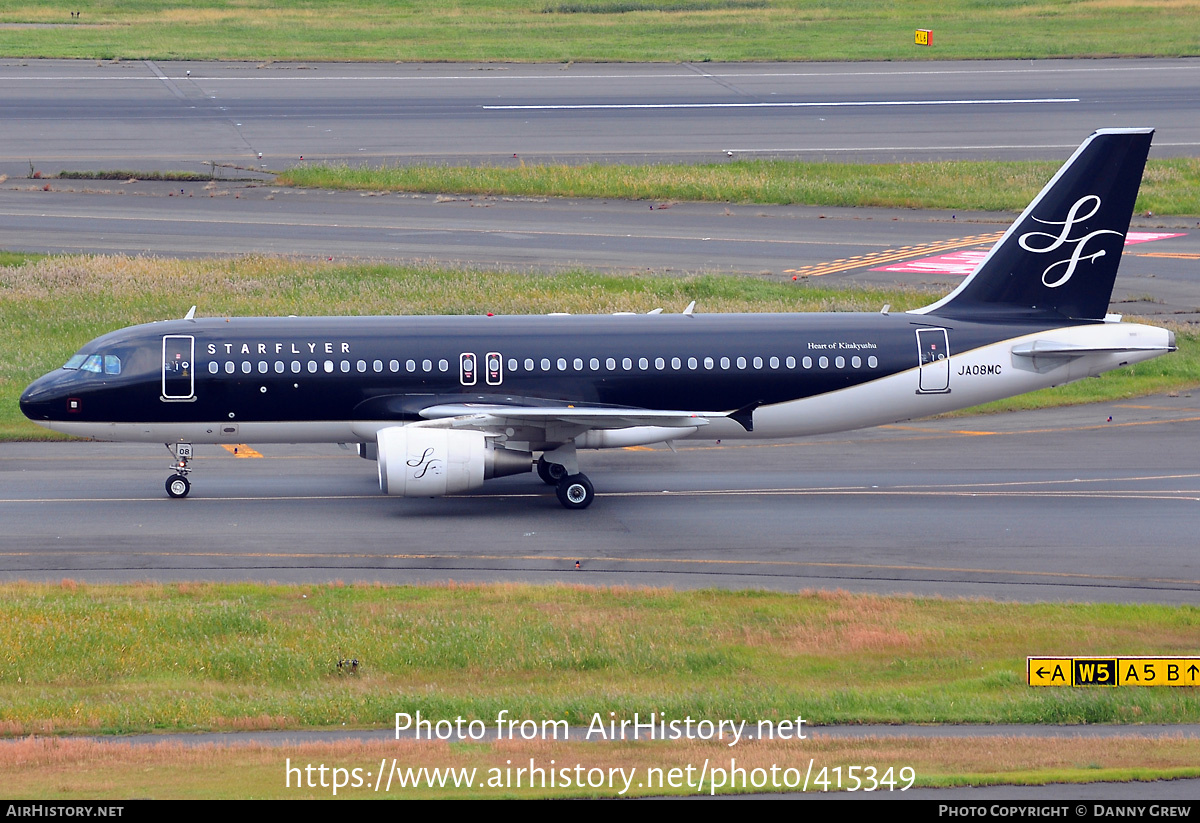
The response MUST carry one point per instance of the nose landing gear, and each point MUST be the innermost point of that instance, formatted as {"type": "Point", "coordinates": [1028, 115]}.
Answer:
{"type": "Point", "coordinates": [177, 484]}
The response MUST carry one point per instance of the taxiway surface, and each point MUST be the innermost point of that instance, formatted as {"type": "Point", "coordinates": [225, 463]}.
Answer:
{"type": "Point", "coordinates": [1049, 505]}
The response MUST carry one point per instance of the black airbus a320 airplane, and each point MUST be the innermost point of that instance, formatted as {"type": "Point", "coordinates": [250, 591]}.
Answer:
{"type": "Point", "coordinates": [445, 403]}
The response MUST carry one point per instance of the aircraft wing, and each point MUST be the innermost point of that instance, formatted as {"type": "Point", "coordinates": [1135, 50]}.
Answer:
{"type": "Point", "coordinates": [585, 417]}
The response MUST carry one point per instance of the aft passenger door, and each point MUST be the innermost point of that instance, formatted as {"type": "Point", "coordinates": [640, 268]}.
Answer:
{"type": "Point", "coordinates": [933, 350]}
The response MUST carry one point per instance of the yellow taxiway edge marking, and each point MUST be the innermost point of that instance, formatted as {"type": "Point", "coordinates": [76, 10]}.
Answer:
{"type": "Point", "coordinates": [1174, 255]}
{"type": "Point", "coordinates": [893, 255]}
{"type": "Point", "coordinates": [240, 450]}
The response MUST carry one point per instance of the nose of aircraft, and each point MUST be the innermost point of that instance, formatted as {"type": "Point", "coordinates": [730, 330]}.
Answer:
{"type": "Point", "coordinates": [43, 396]}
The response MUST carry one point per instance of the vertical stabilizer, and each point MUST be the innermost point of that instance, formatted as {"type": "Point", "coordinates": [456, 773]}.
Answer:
{"type": "Point", "coordinates": [1061, 255]}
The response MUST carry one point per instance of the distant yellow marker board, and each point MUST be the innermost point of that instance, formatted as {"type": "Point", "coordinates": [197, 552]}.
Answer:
{"type": "Point", "coordinates": [924, 37]}
{"type": "Point", "coordinates": [1113, 671]}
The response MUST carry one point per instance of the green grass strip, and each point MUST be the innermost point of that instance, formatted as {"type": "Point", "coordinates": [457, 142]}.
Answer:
{"type": "Point", "coordinates": [1169, 187]}
{"type": "Point", "coordinates": [599, 30]}
{"type": "Point", "coordinates": [125, 658]}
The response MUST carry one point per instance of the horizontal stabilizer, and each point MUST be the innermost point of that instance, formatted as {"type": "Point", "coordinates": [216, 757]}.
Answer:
{"type": "Point", "coordinates": [1043, 356]}
{"type": "Point", "coordinates": [1046, 347]}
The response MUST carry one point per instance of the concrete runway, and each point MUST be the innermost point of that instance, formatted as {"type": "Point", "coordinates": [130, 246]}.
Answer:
{"type": "Point", "coordinates": [1053, 505]}
{"type": "Point", "coordinates": [98, 114]}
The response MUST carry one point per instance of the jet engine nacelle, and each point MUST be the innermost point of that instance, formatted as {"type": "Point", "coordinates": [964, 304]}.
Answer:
{"type": "Point", "coordinates": [421, 462]}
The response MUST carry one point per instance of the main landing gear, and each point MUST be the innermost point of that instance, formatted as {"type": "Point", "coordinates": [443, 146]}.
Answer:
{"type": "Point", "coordinates": [177, 484]}
{"type": "Point", "coordinates": [551, 473]}
{"type": "Point", "coordinates": [574, 490]}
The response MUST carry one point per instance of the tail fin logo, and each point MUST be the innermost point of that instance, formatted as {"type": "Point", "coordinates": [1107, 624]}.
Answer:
{"type": "Point", "coordinates": [1056, 241]}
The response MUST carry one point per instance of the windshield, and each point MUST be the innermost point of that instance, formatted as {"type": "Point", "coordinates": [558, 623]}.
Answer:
{"type": "Point", "coordinates": [95, 363]}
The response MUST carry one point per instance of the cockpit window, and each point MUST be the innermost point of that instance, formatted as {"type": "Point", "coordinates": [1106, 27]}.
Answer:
{"type": "Point", "coordinates": [95, 363]}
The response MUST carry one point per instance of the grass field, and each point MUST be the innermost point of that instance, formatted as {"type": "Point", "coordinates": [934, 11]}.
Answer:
{"type": "Point", "coordinates": [134, 658]}
{"type": "Point", "coordinates": [1169, 187]}
{"type": "Point", "coordinates": [102, 659]}
{"type": "Point", "coordinates": [599, 30]}
{"type": "Point", "coordinates": [50, 306]}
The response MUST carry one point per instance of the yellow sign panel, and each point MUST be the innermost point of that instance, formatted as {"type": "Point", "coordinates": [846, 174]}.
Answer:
{"type": "Point", "coordinates": [1049, 671]}
{"type": "Point", "coordinates": [924, 37]}
{"type": "Point", "coordinates": [1158, 671]}
{"type": "Point", "coordinates": [1113, 671]}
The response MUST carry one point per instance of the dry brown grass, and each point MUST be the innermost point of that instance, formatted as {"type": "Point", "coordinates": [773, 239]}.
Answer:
{"type": "Point", "coordinates": [55, 768]}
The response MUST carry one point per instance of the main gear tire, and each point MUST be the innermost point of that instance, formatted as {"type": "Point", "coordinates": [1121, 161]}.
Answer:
{"type": "Point", "coordinates": [575, 492]}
